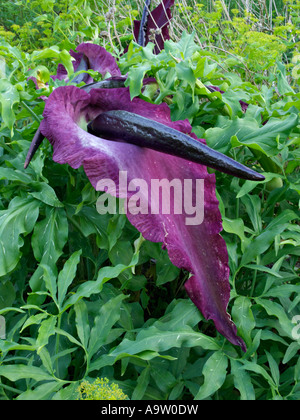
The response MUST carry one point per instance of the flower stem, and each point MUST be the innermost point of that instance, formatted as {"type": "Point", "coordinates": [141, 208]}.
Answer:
{"type": "Point", "coordinates": [38, 120]}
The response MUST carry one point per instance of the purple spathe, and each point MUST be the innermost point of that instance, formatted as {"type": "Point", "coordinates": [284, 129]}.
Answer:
{"type": "Point", "coordinates": [198, 249]}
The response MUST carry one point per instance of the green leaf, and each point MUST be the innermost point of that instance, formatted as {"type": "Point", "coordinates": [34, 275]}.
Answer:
{"type": "Point", "coordinates": [115, 228]}
{"type": "Point", "coordinates": [291, 351]}
{"type": "Point", "coordinates": [166, 80]}
{"type": "Point", "coordinates": [253, 208]}
{"type": "Point", "coordinates": [46, 359]}
{"type": "Point", "coordinates": [19, 218]}
{"type": "Point", "coordinates": [7, 294]}
{"type": "Point", "coordinates": [141, 384]}
{"type": "Point", "coordinates": [54, 52]}
{"type": "Point", "coordinates": [263, 241]}
{"type": "Point", "coordinates": [204, 68]}
{"type": "Point", "coordinates": [253, 367]}
{"type": "Point", "coordinates": [93, 287]}
{"type": "Point", "coordinates": [163, 378]}
{"type": "Point", "coordinates": [48, 239]}
{"type": "Point", "coordinates": [50, 236]}
{"type": "Point", "coordinates": [18, 371]}
{"type": "Point", "coordinates": [10, 309]}
{"type": "Point", "coordinates": [214, 371]}
{"type": "Point", "coordinates": [14, 175]}
{"type": "Point", "coordinates": [6, 346]}
{"type": "Point", "coordinates": [232, 100]}
{"type": "Point", "coordinates": [183, 106]}
{"type": "Point", "coordinates": [160, 340]}
{"type": "Point", "coordinates": [243, 318]}
{"type": "Point", "coordinates": [34, 320]}
{"type": "Point", "coordinates": [45, 193]}
{"type": "Point", "coordinates": [242, 381]}
{"type": "Point", "coordinates": [66, 61]}
{"type": "Point", "coordinates": [67, 275]}
{"type": "Point", "coordinates": [165, 270]}
{"type": "Point", "coordinates": [41, 392]}
{"type": "Point", "coordinates": [249, 186]}
{"type": "Point", "coordinates": [68, 336]}
{"type": "Point", "coordinates": [237, 227]}
{"type": "Point", "coordinates": [246, 131]}
{"type": "Point", "coordinates": [90, 221]}
{"type": "Point", "coordinates": [9, 96]}
{"type": "Point", "coordinates": [47, 328]}
{"type": "Point", "coordinates": [282, 82]}
{"type": "Point", "coordinates": [273, 368]}
{"type": "Point", "coordinates": [50, 281]}
{"type": "Point", "coordinates": [179, 315]}
{"type": "Point", "coordinates": [121, 253]}
{"type": "Point", "coordinates": [297, 371]}
{"type": "Point", "coordinates": [67, 393]}
{"type": "Point", "coordinates": [109, 314]}
{"type": "Point", "coordinates": [185, 73]}
{"type": "Point", "coordinates": [268, 270]}
{"type": "Point", "coordinates": [15, 52]}
{"type": "Point", "coordinates": [264, 138]}
{"type": "Point", "coordinates": [184, 48]}
{"type": "Point", "coordinates": [82, 322]}
{"type": "Point", "coordinates": [135, 78]}
{"type": "Point", "coordinates": [275, 309]}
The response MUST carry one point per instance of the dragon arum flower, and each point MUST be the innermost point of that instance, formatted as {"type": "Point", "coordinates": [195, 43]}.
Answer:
{"type": "Point", "coordinates": [143, 142]}
{"type": "Point", "coordinates": [154, 26]}
{"type": "Point", "coordinates": [99, 127]}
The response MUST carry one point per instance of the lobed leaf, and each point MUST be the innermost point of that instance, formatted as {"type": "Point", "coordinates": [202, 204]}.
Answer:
{"type": "Point", "coordinates": [214, 371]}
{"type": "Point", "coordinates": [18, 219]}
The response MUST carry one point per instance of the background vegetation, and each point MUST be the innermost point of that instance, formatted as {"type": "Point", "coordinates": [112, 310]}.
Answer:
{"type": "Point", "coordinates": [83, 296]}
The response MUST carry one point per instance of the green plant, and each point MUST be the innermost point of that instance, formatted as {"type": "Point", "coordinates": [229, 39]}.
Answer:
{"type": "Point", "coordinates": [100, 389]}
{"type": "Point", "coordinates": [83, 296]}
{"type": "Point", "coordinates": [249, 40]}
{"type": "Point", "coordinates": [35, 25]}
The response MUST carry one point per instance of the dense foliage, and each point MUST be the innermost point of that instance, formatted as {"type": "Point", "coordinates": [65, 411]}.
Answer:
{"type": "Point", "coordinates": [83, 295]}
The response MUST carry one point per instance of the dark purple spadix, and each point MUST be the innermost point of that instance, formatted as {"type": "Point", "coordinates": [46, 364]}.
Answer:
{"type": "Point", "coordinates": [144, 132]}
{"type": "Point", "coordinates": [143, 24]}
{"type": "Point", "coordinates": [35, 144]}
